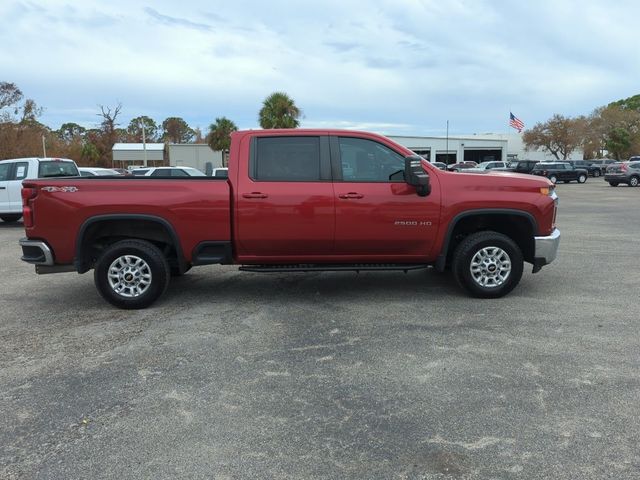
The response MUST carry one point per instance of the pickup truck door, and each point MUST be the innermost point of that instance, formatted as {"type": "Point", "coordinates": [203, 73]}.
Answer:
{"type": "Point", "coordinates": [5, 170]}
{"type": "Point", "coordinates": [14, 187]}
{"type": "Point", "coordinates": [377, 213]}
{"type": "Point", "coordinates": [284, 199]}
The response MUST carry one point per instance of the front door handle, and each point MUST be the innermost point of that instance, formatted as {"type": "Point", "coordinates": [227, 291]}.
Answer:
{"type": "Point", "coordinates": [350, 195]}
{"type": "Point", "coordinates": [255, 195]}
{"type": "Point", "coordinates": [3, 188]}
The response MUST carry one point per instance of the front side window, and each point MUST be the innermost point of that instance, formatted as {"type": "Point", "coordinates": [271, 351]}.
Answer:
{"type": "Point", "coordinates": [286, 159]}
{"type": "Point", "coordinates": [369, 161]}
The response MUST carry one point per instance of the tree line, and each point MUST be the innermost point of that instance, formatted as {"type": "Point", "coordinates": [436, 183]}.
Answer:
{"type": "Point", "coordinates": [610, 131]}
{"type": "Point", "coordinates": [21, 134]}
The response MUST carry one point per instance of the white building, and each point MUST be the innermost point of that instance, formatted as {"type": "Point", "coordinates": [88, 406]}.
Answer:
{"type": "Point", "coordinates": [126, 155]}
{"type": "Point", "coordinates": [476, 147]}
{"type": "Point", "coordinates": [196, 155]}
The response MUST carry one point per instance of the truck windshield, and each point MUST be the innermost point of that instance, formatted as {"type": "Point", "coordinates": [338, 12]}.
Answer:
{"type": "Point", "coordinates": [57, 169]}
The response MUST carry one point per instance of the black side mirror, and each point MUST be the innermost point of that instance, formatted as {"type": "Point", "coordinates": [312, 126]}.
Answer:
{"type": "Point", "coordinates": [415, 175]}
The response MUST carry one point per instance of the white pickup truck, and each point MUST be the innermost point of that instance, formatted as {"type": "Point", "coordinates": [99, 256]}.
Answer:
{"type": "Point", "coordinates": [15, 170]}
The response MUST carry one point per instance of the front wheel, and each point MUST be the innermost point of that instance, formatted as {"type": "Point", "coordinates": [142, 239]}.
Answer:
{"type": "Point", "coordinates": [633, 182]}
{"type": "Point", "coordinates": [131, 274]}
{"type": "Point", "coordinates": [582, 178]}
{"type": "Point", "coordinates": [553, 179]}
{"type": "Point", "coordinates": [488, 264]}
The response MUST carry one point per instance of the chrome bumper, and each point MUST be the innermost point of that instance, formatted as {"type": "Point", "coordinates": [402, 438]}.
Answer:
{"type": "Point", "coordinates": [546, 249]}
{"type": "Point", "coordinates": [36, 252]}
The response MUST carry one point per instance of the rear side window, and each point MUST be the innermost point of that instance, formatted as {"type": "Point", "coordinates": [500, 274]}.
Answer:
{"type": "Point", "coordinates": [4, 171]}
{"type": "Point", "coordinates": [57, 169]}
{"type": "Point", "coordinates": [287, 159]}
{"type": "Point", "coordinates": [178, 172]}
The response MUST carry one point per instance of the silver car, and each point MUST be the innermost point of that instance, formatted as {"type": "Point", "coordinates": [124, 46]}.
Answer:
{"type": "Point", "coordinates": [623, 172]}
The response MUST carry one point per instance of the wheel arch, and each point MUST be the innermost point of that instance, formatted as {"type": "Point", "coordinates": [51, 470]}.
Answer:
{"type": "Point", "coordinates": [96, 233]}
{"type": "Point", "coordinates": [518, 225]}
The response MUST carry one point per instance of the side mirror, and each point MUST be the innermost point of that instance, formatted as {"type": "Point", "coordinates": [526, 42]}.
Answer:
{"type": "Point", "coordinates": [415, 175]}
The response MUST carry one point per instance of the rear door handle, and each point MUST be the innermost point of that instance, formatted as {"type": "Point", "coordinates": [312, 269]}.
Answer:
{"type": "Point", "coordinates": [3, 188]}
{"type": "Point", "coordinates": [350, 195]}
{"type": "Point", "coordinates": [255, 195]}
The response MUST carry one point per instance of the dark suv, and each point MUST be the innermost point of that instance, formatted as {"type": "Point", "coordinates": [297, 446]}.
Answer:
{"type": "Point", "coordinates": [602, 163]}
{"type": "Point", "coordinates": [623, 172]}
{"type": "Point", "coordinates": [593, 170]}
{"type": "Point", "coordinates": [523, 166]}
{"type": "Point", "coordinates": [560, 172]}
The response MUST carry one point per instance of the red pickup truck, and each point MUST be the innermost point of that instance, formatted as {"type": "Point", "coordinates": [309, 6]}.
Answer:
{"type": "Point", "coordinates": [295, 200]}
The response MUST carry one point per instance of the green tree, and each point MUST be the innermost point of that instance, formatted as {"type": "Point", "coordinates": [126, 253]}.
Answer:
{"type": "Point", "coordinates": [279, 111]}
{"type": "Point", "coordinates": [176, 130]}
{"type": "Point", "coordinates": [559, 136]}
{"type": "Point", "coordinates": [219, 137]}
{"type": "Point", "coordinates": [134, 130]}
{"type": "Point", "coordinates": [70, 131]}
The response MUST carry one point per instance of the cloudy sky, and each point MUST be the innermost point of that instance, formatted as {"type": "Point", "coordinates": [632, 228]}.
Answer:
{"type": "Point", "coordinates": [396, 67]}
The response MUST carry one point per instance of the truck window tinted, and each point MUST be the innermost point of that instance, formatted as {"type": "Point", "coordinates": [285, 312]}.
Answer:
{"type": "Point", "coordinates": [368, 161]}
{"type": "Point", "coordinates": [4, 171]}
{"type": "Point", "coordinates": [288, 159]}
{"type": "Point", "coordinates": [57, 169]}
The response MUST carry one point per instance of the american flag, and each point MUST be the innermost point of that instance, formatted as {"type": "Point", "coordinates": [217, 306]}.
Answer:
{"type": "Point", "coordinates": [515, 122]}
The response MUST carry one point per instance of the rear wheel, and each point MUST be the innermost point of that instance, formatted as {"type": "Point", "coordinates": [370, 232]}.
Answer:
{"type": "Point", "coordinates": [131, 274]}
{"type": "Point", "coordinates": [633, 182]}
{"type": "Point", "coordinates": [14, 217]}
{"type": "Point", "coordinates": [553, 179]}
{"type": "Point", "coordinates": [582, 178]}
{"type": "Point", "coordinates": [488, 264]}
{"type": "Point", "coordinates": [613, 184]}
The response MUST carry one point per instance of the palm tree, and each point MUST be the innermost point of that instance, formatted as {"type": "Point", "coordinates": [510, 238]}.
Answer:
{"type": "Point", "coordinates": [219, 136]}
{"type": "Point", "coordinates": [279, 111]}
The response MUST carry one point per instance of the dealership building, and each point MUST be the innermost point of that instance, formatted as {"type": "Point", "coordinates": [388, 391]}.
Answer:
{"type": "Point", "coordinates": [478, 148]}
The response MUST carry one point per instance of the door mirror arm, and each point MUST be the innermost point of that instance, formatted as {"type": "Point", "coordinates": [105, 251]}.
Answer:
{"type": "Point", "coordinates": [415, 175]}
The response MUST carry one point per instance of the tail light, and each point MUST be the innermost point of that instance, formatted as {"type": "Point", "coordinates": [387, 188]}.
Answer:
{"type": "Point", "coordinates": [28, 194]}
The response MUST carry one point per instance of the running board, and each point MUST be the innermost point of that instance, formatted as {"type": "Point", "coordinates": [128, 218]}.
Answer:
{"type": "Point", "coordinates": [350, 267]}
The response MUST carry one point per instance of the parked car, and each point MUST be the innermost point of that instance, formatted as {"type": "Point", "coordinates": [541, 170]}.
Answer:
{"type": "Point", "coordinates": [439, 165]}
{"type": "Point", "coordinates": [522, 166]}
{"type": "Point", "coordinates": [602, 163]}
{"type": "Point", "coordinates": [168, 172]}
{"type": "Point", "coordinates": [97, 172]}
{"type": "Point", "coordinates": [623, 172]}
{"type": "Point", "coordinates": [560, 171]}
{"type": "Point", "coordinates": [593, 170]}
{"type": "Point", "coordinates": [221, 172]}
{"type": "Point", "coordinates": [456, 167]}
{"type": "Point", "coordinates": [291, 206]}
{"type": "Point", "coordinates": [14, 171]}
{"type": "Point", "coordinates": [485, 167]}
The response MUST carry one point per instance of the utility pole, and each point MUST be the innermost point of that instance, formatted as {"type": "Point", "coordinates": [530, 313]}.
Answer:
{"type": "Point", "coordinates": [144, 144]}
{"type": "Point", "coordinates": [447, 143]}
{"type": "Point", "coordinates": [44, 148]}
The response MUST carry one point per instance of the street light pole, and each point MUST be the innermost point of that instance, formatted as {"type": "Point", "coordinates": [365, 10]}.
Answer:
{"type": "Point", "coordinates": [144, 144]}
{"type": "Point", "coordinates": [44, 148]}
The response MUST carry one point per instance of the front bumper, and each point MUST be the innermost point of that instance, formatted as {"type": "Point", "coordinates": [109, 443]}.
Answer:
{"type": "Point", "coordinates": [546, 249]}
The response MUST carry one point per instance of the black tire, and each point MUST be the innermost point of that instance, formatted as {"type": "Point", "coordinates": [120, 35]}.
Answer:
{"type": "Point", "coordinates": [596, 173]}
{"type": "Point", "coordinates": [582, 178]}
{"type": "Point", "coordinates": [471, 250]}
{"type": "Point", "coordinates": [10, 218]}
{"type": "Point", "coordinates": [613, 184]}
{"type": "Point", "coordinates": [126, 264]}
{"type": "Point", "coordinates": [553, 179]}
{"type": "Point", "coordinates": [634, 181]}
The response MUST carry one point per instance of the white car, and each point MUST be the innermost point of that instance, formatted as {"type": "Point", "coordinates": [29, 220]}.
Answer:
{"type": "Point", "coordinates": [221, 172]}
{"type": "Point", "coordinates": [486, 167]}
{"type": "Point", "coordinates": [15, 170]}
{"type": "Point", "coordinates": [168, 172]}
{"type": "Point", "coordinates": [96, 171]}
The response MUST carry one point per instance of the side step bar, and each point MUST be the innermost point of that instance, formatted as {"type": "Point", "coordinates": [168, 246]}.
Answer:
{"type": "Point", "coordinates": [348, 267]}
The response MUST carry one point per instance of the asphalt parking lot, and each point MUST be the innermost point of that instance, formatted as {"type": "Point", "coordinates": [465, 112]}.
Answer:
{"type": "Point", "coordinates": [335, 375]}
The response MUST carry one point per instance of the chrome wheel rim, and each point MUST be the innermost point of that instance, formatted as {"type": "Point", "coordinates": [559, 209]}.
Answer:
{"type": "Point", "coordinates": [490, 267]}
{"type": "Point", "coordinates": [129, 276]}
{"type": "Point", "coordinates": [634, 182]}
